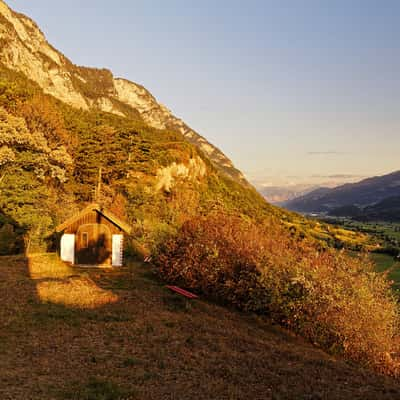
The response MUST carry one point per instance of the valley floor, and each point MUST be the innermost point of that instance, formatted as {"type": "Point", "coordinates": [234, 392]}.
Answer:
{"type": "Point", "coordinates": [120, 334]}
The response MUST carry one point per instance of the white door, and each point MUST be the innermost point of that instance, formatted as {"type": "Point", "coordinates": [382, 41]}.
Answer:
{"type": "Point", "coordinates": [117, 250]}
{"type": "Point", "coordinates": [68, 247]}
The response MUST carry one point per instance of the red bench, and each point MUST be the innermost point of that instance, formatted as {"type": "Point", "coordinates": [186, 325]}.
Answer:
{"type": "Point", "coordinates": [182, 292]}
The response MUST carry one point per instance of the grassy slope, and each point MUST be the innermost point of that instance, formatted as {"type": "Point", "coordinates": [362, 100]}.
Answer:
{"type": "Point", "coordinates": [92, 334]}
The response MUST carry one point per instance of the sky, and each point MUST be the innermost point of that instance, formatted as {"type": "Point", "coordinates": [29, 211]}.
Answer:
{"type": "Point", "coordinates": [300, 91]}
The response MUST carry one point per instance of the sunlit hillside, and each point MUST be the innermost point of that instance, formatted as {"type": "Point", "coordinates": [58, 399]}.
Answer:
{"type": "Point", "coordinates": [50, 159]}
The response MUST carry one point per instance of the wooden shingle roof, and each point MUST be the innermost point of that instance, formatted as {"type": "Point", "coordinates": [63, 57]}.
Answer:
{"type": "Point", "coordinates": [95, 207]}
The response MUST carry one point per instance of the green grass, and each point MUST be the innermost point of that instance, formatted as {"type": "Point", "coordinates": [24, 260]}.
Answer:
{"type": "Point", "coordinates": [388, 264]}
{"type": "Point", "coordinates": [387, 234]}
{"type": "Point", "coordinates": [383, 261]}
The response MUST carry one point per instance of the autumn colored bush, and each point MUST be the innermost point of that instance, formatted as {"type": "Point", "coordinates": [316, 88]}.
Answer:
{"type": "Point", "coordinates": [333, 300]}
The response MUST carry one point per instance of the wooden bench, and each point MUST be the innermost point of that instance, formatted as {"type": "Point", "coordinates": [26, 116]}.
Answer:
{"type": "Point", "coordinates": [182, 292]}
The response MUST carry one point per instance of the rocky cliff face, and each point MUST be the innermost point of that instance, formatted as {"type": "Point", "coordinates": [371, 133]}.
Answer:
{"type": "Point", "coordinates": [24, 48]}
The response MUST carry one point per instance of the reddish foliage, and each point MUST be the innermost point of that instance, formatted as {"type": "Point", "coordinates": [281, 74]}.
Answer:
{"type": "Point", "coordinates": [332, 299]}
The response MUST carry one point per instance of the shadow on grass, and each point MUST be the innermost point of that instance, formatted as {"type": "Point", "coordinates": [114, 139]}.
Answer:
{"type": "Point", "coordinates": [42, 297]}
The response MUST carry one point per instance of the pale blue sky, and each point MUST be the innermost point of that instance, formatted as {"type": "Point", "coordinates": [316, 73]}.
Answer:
{"type": "Point", "coordinates": [291, 91]}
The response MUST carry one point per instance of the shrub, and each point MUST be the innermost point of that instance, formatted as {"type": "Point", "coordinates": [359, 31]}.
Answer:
{"type": "Point", "coordinates": [334, 300]}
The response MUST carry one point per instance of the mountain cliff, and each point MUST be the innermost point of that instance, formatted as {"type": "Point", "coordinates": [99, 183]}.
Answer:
{"type": "Point", "coordinates": [24, 48]}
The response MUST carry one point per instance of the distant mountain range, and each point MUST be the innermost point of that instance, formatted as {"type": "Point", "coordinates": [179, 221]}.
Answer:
{"type": "Point", "coordinates": [280, 194]}
{"type": "Point", "coordinates": [376, 198]}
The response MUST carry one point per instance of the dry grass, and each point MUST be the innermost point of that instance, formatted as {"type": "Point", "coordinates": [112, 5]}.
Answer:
{"type": "Point", "coordinates": [153, 344]}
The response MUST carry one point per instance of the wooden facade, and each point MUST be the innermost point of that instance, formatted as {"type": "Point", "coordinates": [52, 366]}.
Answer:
{"type": "Point", "coordinates": [97, 237]}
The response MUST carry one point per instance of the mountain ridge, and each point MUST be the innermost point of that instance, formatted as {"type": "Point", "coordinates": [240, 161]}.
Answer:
{"type": "Point", "coordinates": [24, 48]}
{"type": "Point", "coordinates": [364, 193]}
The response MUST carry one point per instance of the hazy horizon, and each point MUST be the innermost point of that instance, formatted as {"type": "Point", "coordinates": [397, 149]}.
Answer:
{"type": "Point", "coordinates": [293, 93]}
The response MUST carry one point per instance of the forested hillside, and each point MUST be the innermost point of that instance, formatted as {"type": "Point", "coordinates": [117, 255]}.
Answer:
{"type": "Point", "coordinates": [51, 154]}
{"type": "Point", "coordinates": [386, 210]}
